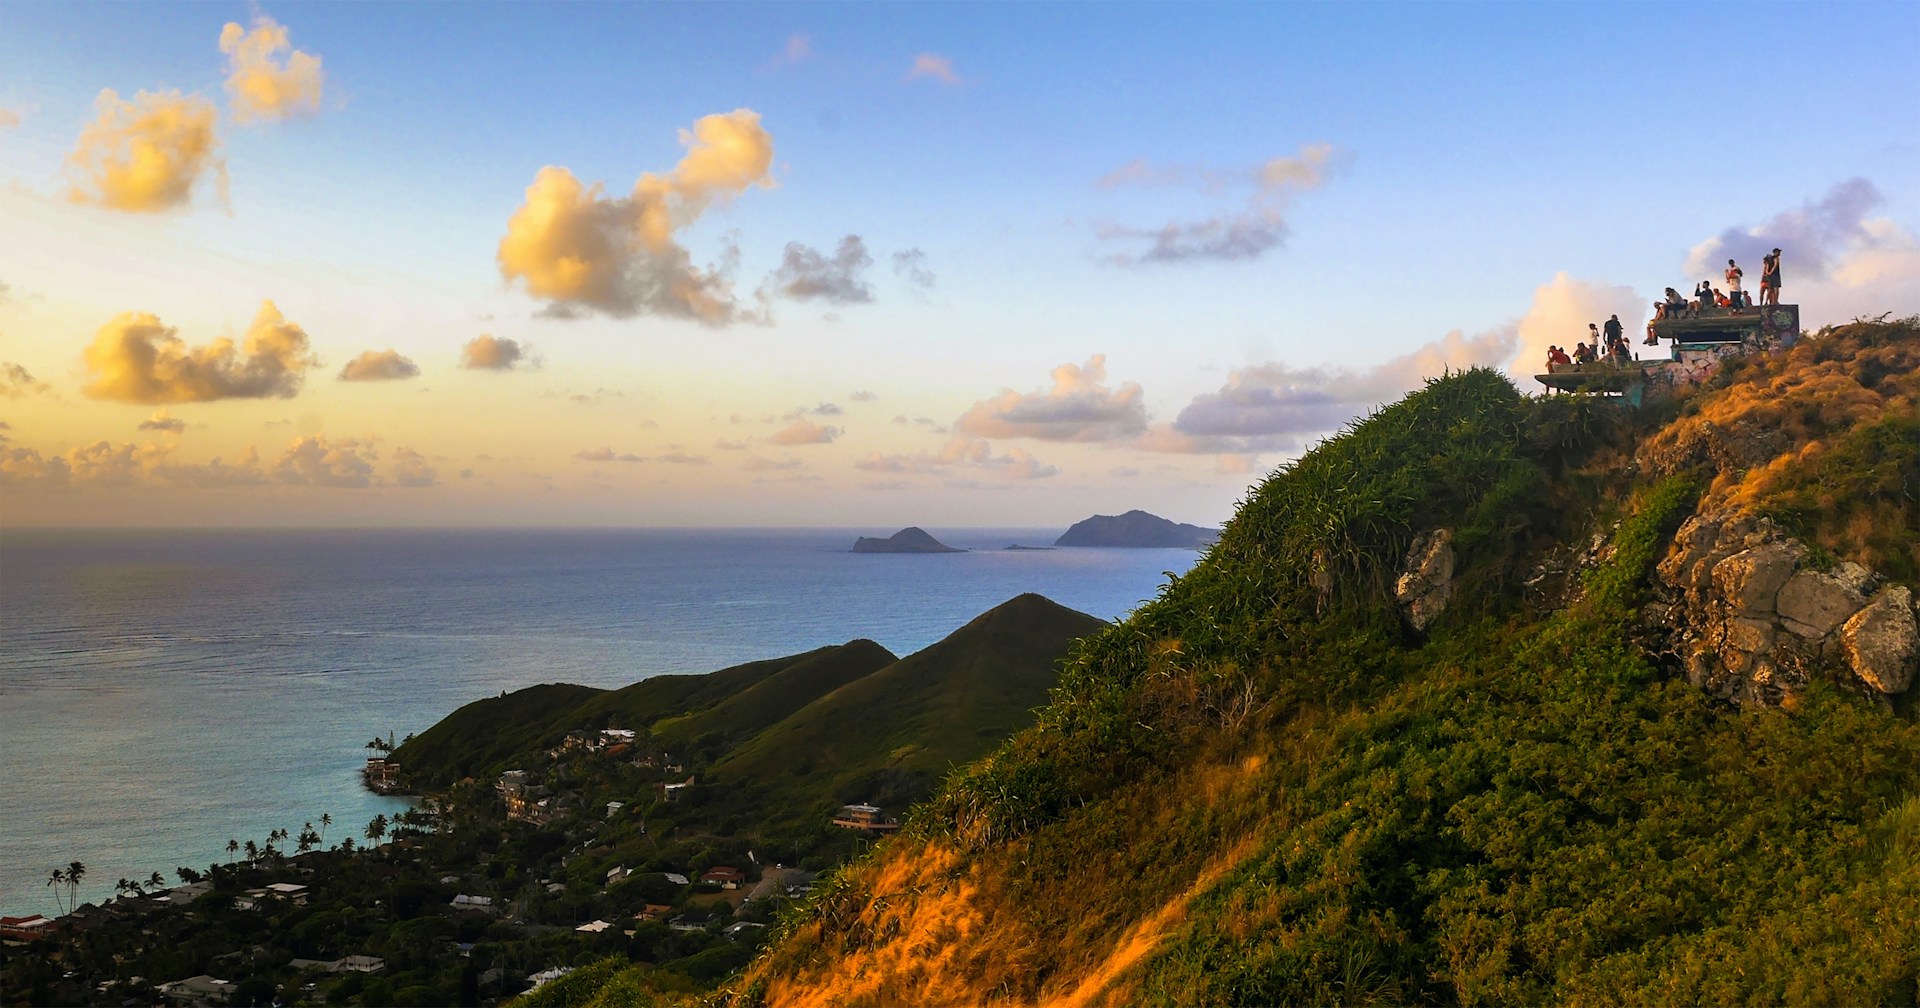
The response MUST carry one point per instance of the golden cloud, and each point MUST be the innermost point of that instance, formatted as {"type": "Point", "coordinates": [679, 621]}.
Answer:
{"type": "Point", "coordinates": [307, 461]}
{"type": "Point", "coordinates": [579, 249]}
{"type": "Point", "coordinates": [263, 85]}
{"type": "Point", "coordinates": [379, 365]}
{"type": "Point", "coordinates": [147, 154]}
{"type": "Point", "coordinates": [136, 359]}
{"type": "Point", "coordinates": [491, 353]}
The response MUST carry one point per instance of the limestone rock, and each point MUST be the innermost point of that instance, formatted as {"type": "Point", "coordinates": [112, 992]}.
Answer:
{"type": "Point", "coordinates": [1882, 641]}
{"type": "Point", "coordinates": [1812, 603]}
{"type": "Point", "coordinates": [1427, 579]}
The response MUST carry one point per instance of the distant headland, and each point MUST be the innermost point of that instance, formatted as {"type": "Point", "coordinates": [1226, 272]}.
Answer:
{"type": "Point", "coordinates": [911, 539]}
{"type": "Point", "coordinates": [1136, 529]}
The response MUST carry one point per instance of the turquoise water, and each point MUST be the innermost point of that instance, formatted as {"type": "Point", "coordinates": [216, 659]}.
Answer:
{"type": "Point", "coordinates": [164, 691]}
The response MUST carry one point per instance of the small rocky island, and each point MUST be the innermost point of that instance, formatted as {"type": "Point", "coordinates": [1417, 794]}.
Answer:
{"type": "Point", "coordinates": [1136, 529]}
{"type": "Point", "coordinates": [912, 539]}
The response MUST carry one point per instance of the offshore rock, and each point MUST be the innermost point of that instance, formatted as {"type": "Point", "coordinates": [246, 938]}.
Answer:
{"type": "Point", "coordinates": [1426, 581]}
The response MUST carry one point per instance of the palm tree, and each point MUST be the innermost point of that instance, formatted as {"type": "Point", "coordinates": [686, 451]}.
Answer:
{"type": "Point", "coordinates": [346, 844]}
{"type": "Point", "coordinates": [75, 872]}
{"type": "Point", "coordinates": [233, 847]}
{"type": "Point", "coordinates": [308, 838]}
{"type": "Point", "coordinates": [326, 820]}
{"type": "Point", "coordinates": [58, 879]}
{"type": "Point", "coordinates": [253, 851]}
{"type": "Point", "coordinates": [156, 881]}
{"type": "Point", "coordinates": [127, 887]}
{"type": "Point", "coordinates": [377, 828]}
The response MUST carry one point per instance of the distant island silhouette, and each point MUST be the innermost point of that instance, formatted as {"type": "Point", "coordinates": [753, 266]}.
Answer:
{"type": "Point", "coordinates": [1136, 529]}
{"type": "Point", "coordinates": [911, 539]}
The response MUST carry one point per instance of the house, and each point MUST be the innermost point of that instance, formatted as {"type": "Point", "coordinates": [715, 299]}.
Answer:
{"type": "Point", "coordinates": [201, 989]}
{"type": "Point", "coordinates": [464, 902]}
{"type": "Point", "coordinates": [614, 807]}
{"type": "Point", "coordinates": [676, 878]}
{"type": "Point", "coordinates": [725, 876]}
{"type": "Point", "coordinates": [545, 977]}
{"type": "Point", "coordinates": [25, 928]}
{"type": "Point", "coordinates": [181, 895]}
{"type": "Point", "coordinates": [733, 931]}
{"type": "Point", "coordinates": [382, 775]}
{"type": "Point", "coordinates": [616, 874]}
{"type": "Point", "coordinates": [525, 801]}
{"type": "Point", "coordinates": [674, 792]}
{"type": "Point", "coordinates": [351, 964]}
{"type": "Point", "coordinates": [593, 927]}
{"type": "Point", "coordinates": [289, 891]}
{"type": "Point", "coordinates": [653, 912]}
{"type": "Point", "coordinates": [865, 817]}
{"type": "Point", "coordinates": [684, 923]}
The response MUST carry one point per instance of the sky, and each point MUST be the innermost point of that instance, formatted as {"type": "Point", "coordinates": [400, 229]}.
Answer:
{"type": "Point", "coordinates": [868, 265]}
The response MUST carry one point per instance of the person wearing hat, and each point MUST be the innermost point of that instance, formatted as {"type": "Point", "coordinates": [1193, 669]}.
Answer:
{"type": "Point", "coordinates": [1770, 279]}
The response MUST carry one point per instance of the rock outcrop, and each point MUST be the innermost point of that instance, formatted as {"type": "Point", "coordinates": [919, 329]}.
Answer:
{"type": "Point", "coordinates": [1426, 579]}
{"type": "Point", "coordinates": [1754, 623]}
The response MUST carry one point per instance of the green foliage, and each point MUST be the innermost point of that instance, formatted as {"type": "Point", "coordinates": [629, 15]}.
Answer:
{"type": "Point", "coordinates": [1862, 497]}
{"type": "Point", "coordinates": [1619, 584]}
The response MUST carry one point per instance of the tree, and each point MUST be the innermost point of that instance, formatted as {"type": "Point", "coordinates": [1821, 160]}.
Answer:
{"type": "Point", "coordinates": [326, 820]}
{"type": "Point", "coordinates": [57, 882]}
{"type": "Point", "coordinates": [307, 839]}
{"type": "Point", "coordinates": [188, 875]}
{"type": "Point", "coordinates": [156, 881]}
{"type": "Point", "coordinates": [346, 844]}
{"type": "Point", "coordinates": [377, 828]}
{"type": "Point", "coordinates": [75, 872]}
{"type": "Point", "coordinates": [233, 847]}
{"type": "Point", "coordinates": [253, 851]}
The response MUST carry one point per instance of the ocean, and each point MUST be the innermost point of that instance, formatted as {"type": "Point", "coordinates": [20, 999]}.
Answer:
{"type": "Point", "coordinates": [164, 691]}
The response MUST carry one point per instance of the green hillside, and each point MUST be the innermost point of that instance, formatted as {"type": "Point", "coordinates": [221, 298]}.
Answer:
{"type": "Point", "coordinates": [481, 738]}
{"type": "Point", "coordinates": [887, 738]}
{"type": "Point", "coordinates": [1268, 787]}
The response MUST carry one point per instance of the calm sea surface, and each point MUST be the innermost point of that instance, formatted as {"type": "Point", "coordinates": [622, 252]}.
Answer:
{"type": "Point", "coordinates": [164, 691]}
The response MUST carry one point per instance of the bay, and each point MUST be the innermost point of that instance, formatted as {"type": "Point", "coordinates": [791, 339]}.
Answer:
{"type": "Point", "coordinates": [165, 691]}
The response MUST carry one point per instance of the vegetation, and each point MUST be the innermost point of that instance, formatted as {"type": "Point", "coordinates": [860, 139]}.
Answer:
{"type": "Point", "coordinates": [1264, 789]}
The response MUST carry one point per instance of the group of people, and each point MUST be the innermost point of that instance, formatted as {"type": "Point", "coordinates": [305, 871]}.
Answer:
{"type": "Point", "coordinates": [1734, 299]}
{"type": "Point", "coordinates": [1612, 345]}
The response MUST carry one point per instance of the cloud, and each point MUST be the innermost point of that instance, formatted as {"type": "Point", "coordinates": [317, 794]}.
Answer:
{"type": "Point", "coordinates": [826, 409]}
{"type": "Point", "coordinates": [1242, 233]}
{"type": "Point", "coordinates": [491, 353]}
{"type": "Point", "coordinates": [136, 359]}
{"type": "Point", "coordinates": [1561, 310]}
{"type": "Point", "coordinates": [961, 452]}
{"type": "Point", "coordinates": [725, 445]}
{"type": "Point", "coordinates": [162, 420]}
{"type": "Point", "coordinates": [798, 50]}
{"type": "Point", "coordinates": [1838, 263]}
{"type": "Point", "coordinates": [1079, 407]}
{"type": "Point", "coordinates": [806, 274]}
{"type": "Point", "coordinates": [379, 365]}
{"type": "Point", "coordinates": [146, 155]}
{"type": "Point", "coordinates": [1272, 407]}
{"type": "Point", "coordinates": [262, 84]}
{"type": "Point", "coordinates": [804, 432]}
{"type": "Point", "coordinates": [862, 395]}
{"type": "Point", "coordinates": [17, 382]}
{"type": "Point", "coordinates": [605, 455]}
{"type": "Point", "coordinates": [682, 458]}
{"type": "Point", "coordinates": [911, 265]}
{"type": "Point", "coordinates": [934, 67]}
{"type": "Point", "coordinates": [581, 250]}
{"type": "Point", "coordinates": [308, 461]}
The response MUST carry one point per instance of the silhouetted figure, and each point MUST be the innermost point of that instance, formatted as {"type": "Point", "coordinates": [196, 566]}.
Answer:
{"type": "Point", "coordinates": [1583, 354]}
{"type": "Point", "coordinates": [1770, 279]}
{"type": "Point", "coordinates": [1615, 334]}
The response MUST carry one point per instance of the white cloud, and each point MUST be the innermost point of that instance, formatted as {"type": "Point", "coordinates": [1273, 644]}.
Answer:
{"type": "Point", "coordinates": [1079, 407]}
{"type": "Point", "coordinates": [1560, 313]}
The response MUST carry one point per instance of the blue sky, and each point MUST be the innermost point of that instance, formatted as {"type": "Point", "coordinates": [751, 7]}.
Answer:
{"type": "Point", "coordinates": [1479, 166]}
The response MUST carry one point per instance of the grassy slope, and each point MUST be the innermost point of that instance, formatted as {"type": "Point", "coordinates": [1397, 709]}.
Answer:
{"type": "Point", "coordinates": [1248, 793]}
{"type": "Point", "coordinates": [481, 737]}
{"type": "Point", "coordinates": [889, 736]}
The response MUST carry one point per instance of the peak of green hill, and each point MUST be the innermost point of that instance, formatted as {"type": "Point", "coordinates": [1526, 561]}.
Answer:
{"type": "Point", "coordinates": [1428, 724]}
